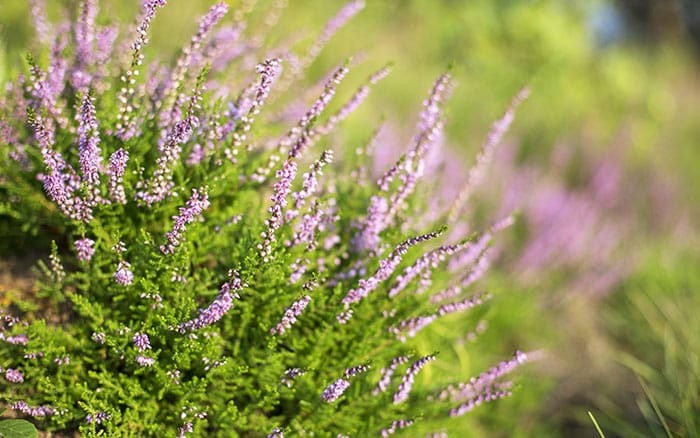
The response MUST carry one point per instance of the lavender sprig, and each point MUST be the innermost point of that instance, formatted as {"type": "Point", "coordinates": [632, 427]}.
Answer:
{"type": "Point", "coordinates": [401, 394]}
{"type": "Point", "coordinates": [216, 310]}
{"type": "Point", "coordinates": [488, 149]}
{"type": "Point", "coordinates": [290, 315]}
{"type": "Point", "coordinates": [198, 202]}
{"type": "Point", "coordinates": [126, 128]}
{"type": "Point", "coordinates": [89, 151]}
{"type": "Point", "coordinates": [386, 268]}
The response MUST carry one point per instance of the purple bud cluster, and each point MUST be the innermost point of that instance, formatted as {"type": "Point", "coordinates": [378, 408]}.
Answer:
{"type": "Point", "coordinates": [335, 390]}
{"type": "Point", "coordinates": [291, 375]}
{"type": "Point", "coordinates": [355, 371]}
{"type": "Point", "coordinates": [123, 274]}
{"type": "Point", "coordinates": [198, 202]}
{"type": "Point", "coordinates": [145, 361]}
{"type": "Point", "coordinates": [141, 341]}
{"type": "Point", "coordinates": [85, 249]}
{"type": "Point", "coordinates": [388, 372]}
{"type": "Point", "coordinates": [97, 418]}
{"type": "Point", "coordinates": [14, 376]}
{"type": "Point", "coordinates": [99, 337]}
{"type": "Point", "coordinates": [401, 394]}
{"type": "Point", "coordinates": [290, 315]}
{"type": "Point", "coordinates": [37, 412]}
{"type": "Point", "coordinates": [216, 310]}
{"type": "Point", "coordinates": [117, 166]}
{"type": "Point", "coordinates": [386, 267]}
{"type": "Point", "coordinates": [65, 360]}
{"type": "Point", "coordinates": [395, 426]}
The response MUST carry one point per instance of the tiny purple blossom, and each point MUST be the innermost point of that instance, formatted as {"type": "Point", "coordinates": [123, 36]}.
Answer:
{"type": "Point", "coordinates": [84, 248]}
{"type": "Point", "coordinates": [141, 341]}
{"type": "Point", "coordinates": [99, 337]}
{"type": "Point", "coordinates": [14, 376]}
{"type": "Point", "coordinates": [145, 361]}
{"type": "Point", "coordinates": [123, 275]}
{"type": "Point", "coordinates": [276, 433]}
{"type": "Point", "coordinates": [291, 375]}
{"type": "Point", "coordinates": [98, 418]}
{"type": "Point", "coordinates": [174, 375]}
{"type": "Point", "coordinates": [65, 360]}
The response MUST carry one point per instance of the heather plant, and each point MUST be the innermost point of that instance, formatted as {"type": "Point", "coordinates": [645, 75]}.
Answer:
{"type": "Point", "coordinates": [223, 264]}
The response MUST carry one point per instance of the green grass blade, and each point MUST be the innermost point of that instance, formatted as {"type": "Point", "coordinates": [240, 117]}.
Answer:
{"type": "Point", "coordinates": [655, 406]}
{"type": "Point", "coordinates": [597, 426]}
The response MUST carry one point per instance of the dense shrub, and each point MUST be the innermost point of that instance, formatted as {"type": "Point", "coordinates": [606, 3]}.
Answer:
{"type": "Point", "coordinates": [215, 271]}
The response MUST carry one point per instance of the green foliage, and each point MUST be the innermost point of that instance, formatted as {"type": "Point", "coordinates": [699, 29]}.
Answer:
{"type": "Point", "coordinates": [658, 340]}
{"type": "Point", "coordinates": [184, 320]}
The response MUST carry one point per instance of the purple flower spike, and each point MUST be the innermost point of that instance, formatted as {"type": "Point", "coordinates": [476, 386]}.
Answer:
{"type": "Point", "coordinates": [386, 268]}
{"type": "Point", "coordinates": [89, 151]}
{"type": "Point", "coordinates": [84, 39]}
{"type": "Point", "coordinates": [216, 310]}
{"type": "Point", "coordinates": [395, 426]}
{"type": "Point", "coordinates": [126, 117]}
{"type": "Point", "coordinates": [401, 394]}
{"type": "Point", "coordinates": [388, 372]}
{"type": "Point", "coordinates": [198, 202]}
{"type": "Point", "coordinates": [84, 248]}
{"type": "Point", "coordinates": [335, 390]}
{"type": "Point", "coordinates": [356, 371]}
{"type": "Point", "coordinates": [39, 411]}
{"type": "Point", "coordinates": [334, 24]}
{"type": "Point", "coordinates": [117, 166]}
{"type": "Point", "coordinates": [184, 62]}
{"type": "Point", "coordinates": [290, 315]}
{"type": "Point", "coordinates": [488, 149]}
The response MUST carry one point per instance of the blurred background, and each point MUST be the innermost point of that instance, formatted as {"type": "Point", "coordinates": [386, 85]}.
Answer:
{"type": "Point", "coordinates": [601, 271]}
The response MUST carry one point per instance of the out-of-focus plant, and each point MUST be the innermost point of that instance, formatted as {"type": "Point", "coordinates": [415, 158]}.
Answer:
{"type": "Point", "coordinates": [656, 333]}
{"type": "Point", "coordinates": [214, 271]}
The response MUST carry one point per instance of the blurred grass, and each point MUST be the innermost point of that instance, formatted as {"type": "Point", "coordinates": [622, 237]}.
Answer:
{"type": "Point", "coordinates": [628, 97]}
